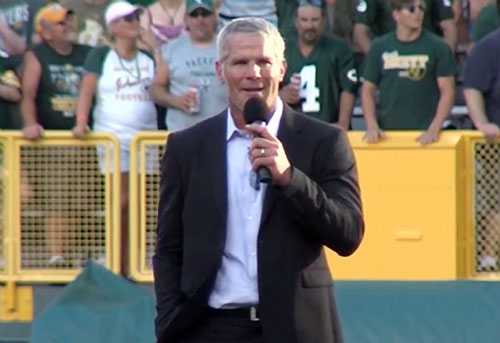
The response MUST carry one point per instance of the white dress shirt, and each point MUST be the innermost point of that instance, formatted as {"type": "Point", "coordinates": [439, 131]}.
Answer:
{"type": "Point", "coordinates": [236, 280]}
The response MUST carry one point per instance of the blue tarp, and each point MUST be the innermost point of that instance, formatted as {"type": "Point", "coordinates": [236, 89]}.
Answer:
{"type": "Point", "coordinates": [98, 306]}
{"type": "Point", "coordinates": [102, 307]}
{"type": "Point", "coordinates": [419, 312]}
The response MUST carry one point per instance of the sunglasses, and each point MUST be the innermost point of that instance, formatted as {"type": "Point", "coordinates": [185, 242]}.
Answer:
{"type": "Point", "coordinates": [315, 3]}
{"type": "Point", "coordinates": [200, 12]}
{"type": "Point", "coordinates": [130, 17]}
{"type": "Point", "coordinates": [413, 8]}
{"type": "Point", "coordinates": [69, 18]}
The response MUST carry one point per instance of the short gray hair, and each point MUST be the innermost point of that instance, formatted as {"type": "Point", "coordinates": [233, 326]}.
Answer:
{"type": "Point", "coordinates": [250, 25]}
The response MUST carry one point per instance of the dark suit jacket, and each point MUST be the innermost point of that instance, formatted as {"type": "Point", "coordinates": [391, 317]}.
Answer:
{"type": "Point", "coordinates": [321, 206]}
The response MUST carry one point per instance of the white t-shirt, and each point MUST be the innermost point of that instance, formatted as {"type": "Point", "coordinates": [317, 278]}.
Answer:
{"type": "Point", "coordinates": [123, 105]}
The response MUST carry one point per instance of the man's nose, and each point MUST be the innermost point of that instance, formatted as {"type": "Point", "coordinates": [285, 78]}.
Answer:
{"type": "Point", "coordinates": [253, 71]}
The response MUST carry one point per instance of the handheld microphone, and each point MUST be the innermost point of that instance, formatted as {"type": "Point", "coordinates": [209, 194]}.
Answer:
{"type": "Point", "coordinates": [256, 111]}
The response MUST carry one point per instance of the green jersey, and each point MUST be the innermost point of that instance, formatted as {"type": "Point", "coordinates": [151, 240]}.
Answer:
{"type": "Point", "coordinates": [406, 74]}
{"type": "Point", "coordinates": [377, 14]}
{"type": "Point", "coordinates": [9, 111]}
{"type": "Point", "coordinates": [59, 84]}
{"type": "Point", "coordinates": [324, 74]}
{"type": "Point", "coordinates": [488, 20]}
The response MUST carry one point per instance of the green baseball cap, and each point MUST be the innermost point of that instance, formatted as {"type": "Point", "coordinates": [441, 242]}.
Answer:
{"type": "Point", "coordinates": [191, 5]}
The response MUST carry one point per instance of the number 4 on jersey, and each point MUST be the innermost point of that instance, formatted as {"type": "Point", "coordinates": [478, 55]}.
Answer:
{"type": "Point", "coordinates": [308, 90]}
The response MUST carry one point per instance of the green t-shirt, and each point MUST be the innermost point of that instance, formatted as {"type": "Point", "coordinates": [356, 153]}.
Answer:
{"type": "Point", "coordinates": [377, 14]}
{"type": "Point", "coordinates": [19, 16]}
{"type": "Point", "coordinates": [327, 71]}
{"type": "Point", "coordinates": [9, 110]}
{"type": "Point", "coordinates": [488, 20]}
{"type": "Point", "coordinates": [406, 74]}
{"type": "Point", "coordinates": [59, 85]}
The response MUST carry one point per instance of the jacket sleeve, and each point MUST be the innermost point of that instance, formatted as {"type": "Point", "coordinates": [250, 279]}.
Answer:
{"type": "Point", "coordinates": [328, 204]}
{"type": "Point", "coordinates": [167, 261]}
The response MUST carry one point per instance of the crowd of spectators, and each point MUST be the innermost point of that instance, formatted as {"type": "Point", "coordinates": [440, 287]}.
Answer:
{"type": "Point", "coordinates": [122, 66]}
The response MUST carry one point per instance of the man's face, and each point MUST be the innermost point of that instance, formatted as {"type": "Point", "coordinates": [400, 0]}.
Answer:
{"type": "Point", "coordinates": [201, 24]}
{"type": "Point", "coordinates": [63, 31]}
{"type": "Point", "coordinates": [310, 23]}
{"type": "Point", "coordinates": [411, 16]}
{"type": "Point", "coordinates": [251, 69]}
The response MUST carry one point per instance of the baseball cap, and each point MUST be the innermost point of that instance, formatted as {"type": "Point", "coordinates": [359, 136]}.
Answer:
{"type": "Point", "coordinates": [119, 9]}
{"type": "Point", "coordinates": [52, 13]}
{"type": "Point", "coordinates": [191, 5]}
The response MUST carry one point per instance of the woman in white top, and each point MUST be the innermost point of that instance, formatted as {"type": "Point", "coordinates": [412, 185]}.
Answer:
{"type": "Point", "coordinates": [118, 77]}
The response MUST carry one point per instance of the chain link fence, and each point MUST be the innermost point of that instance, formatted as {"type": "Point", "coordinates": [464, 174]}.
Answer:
{"type": "Point", "coordinates": [487, 206]}
{"type": "Point", "coordinates": [146, 153]}
{"type": "Point", "coordinates": [63, 212]}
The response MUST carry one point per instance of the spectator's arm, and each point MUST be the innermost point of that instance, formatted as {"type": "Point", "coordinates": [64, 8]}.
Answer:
{"type": "Point", "coordinates": [161, 94]}
{"type": "Point", "coordinates": [362, 37]}
{"type": "Point", "coordinates": [87, 92]}
{"type": "Point", "coordinates": [446, 86]}
{"type": "Point", "coordinates": [373, 133]}
{"type": "Point", "coordinates": [146, 39]}
{"type": "Point", "coordinates": [345, 109]}
{"type": "Point", "coordinates": [31, 78]}
{"type": "Point", "coordinates": [9, 93]}
{"type": "Point", "coordinates": [14, 44]}
{"type": "Point", "coordinates": [449, 29]}
{"type": "Point", "coordinates": [457, 10]}
{"type": "Point", "coordinates": [477, 112]}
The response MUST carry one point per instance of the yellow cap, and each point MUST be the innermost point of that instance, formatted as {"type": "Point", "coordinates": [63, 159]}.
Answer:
{"type": "Point", "coordinates": [52, 13]}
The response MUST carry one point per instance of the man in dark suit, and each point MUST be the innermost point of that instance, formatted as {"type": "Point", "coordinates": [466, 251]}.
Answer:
{"type": "Point", "coordinates": [241, 262]}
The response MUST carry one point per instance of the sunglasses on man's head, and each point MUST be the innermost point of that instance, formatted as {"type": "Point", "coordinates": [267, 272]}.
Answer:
{"type": "Point", "coordinates": [200, 12]}
{"type": "Point", "coordinates": [131, 17]}
{"type": "Point", "coordinates": [315, 3]}
{"type": "Point", "coordinates": [413, 8]}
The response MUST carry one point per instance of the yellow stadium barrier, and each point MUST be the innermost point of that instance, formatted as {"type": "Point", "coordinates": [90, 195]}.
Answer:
{"type": "Point", "coordinates": [430, 212]}
{"type": "Point", "coordinates": [415, 214]}
{"type": "Point", "coordinates": [146, 150]}
{"type": "Point", "coordinates": [62, 208]}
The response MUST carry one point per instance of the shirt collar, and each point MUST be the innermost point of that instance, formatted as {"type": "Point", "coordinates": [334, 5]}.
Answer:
{"type": "Point", "coordinates": [272, 125]}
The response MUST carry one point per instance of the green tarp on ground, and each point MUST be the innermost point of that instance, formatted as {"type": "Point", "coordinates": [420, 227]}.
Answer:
{"type": "Point", "coordinates": [98, 306]}
{"type": "Point", "coordinates": [419, 312]}
{"type": "Point", "coordinates": [102, 307]}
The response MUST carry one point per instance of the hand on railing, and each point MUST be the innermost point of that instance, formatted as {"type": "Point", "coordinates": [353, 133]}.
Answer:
{"type": "Point", "coordinates": [80, 130]}
{"type": "Point", "coordinates": [428, 137]}
{"type": "Point", "coordinates": [373, 135]}
{"type": "Point", "coordinates": [32, 131]}
{"type": "Point", "coordinates": [490, 131]}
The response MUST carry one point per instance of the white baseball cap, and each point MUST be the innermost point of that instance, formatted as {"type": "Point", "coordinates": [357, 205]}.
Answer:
{"type": "Point", "coordinates": [119, 9]}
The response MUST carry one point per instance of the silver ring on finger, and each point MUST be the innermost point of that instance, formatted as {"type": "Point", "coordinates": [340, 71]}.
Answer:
{"type": "Point", "coordinates": [262, 151]}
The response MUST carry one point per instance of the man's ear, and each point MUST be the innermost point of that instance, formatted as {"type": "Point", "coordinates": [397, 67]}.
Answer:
{"type": "Point", "coordinates": [220, 72]}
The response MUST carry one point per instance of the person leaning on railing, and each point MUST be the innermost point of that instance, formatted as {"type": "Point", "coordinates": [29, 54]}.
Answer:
{"type": "Point", "coordinates": [118, 76]}
{"type": "Point", "coordinates": [50, 83]}
{"type": "Point", "coordinates": [414, 71]}
{"type": "Point", "coordinates": [481, 94]}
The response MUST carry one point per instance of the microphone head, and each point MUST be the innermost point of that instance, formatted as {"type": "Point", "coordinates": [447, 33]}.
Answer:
{"type": "Point", "coordinates": [255, 109]}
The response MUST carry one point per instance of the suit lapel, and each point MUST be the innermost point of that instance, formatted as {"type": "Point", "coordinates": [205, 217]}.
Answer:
{"type": "Point", "coordinates": [288, 134]}
{"type": "Point", "coordinates": [215, 152]}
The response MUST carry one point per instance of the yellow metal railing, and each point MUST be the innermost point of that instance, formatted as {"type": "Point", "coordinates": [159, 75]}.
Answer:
{"type": "Point", "coordinates": [63, 205]}
{"type": "Point", "coordinates": [431, 212]}
{"type": "Point", "coordinates": [421, 208]}
{"type": "Point", "coordinates": [146, 151]}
